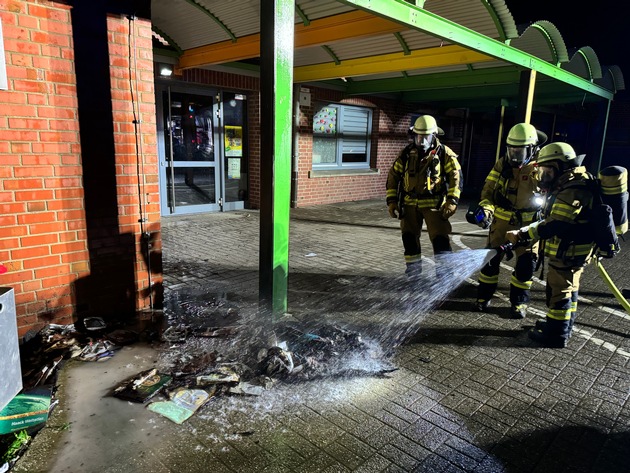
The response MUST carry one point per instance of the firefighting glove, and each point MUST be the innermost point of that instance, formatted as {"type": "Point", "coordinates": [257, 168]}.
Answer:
{"type": "Point", "coordinates": [486, 220]}
{"type": "Point", "coordinates": [393, 209]}
{"type": "Point", "coordinates": [448, 209]}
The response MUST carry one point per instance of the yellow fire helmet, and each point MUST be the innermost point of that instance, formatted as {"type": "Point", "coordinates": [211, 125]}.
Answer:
{"type": "Point", "coordinates": [426, 125]}
{"type": "Point", "coordinates": [561, 153]}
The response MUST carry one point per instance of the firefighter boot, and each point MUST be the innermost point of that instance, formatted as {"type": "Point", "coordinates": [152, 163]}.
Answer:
{"type": "Point", "coordinates": [482, 305]}
{"type": "Point", "coordinates": [413, 270]}
{"type": "Point", "coordinates": [540, 325]}
{"type": "Point", "coordinates": [518, 311]}
{"type": "Point", "coordinates": [552, 333]}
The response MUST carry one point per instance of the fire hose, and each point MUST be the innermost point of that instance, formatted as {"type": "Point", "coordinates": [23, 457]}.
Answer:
{"type": "Point", "coordinates": [616, 292]}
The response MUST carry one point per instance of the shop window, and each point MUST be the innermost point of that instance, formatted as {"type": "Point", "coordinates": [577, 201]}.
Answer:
{"type": "Point", "coordinates": [341, 137]}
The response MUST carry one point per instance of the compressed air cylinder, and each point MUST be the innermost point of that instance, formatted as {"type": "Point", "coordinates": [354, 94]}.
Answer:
{"type": "Point", "coordinates": [614, 185]}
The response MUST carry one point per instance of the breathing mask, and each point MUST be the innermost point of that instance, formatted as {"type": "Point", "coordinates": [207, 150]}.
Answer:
{"type": "Point", "coordinates": [547, 175]}
{"type": "Point", "coordinates": [518, 155]}
{"type": "Point", "coordinates": [424, 141]}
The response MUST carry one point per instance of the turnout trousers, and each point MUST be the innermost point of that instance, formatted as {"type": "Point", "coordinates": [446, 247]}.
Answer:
{"type": "Point", "coordinates": [411, 228]}
{"type": "Point", "coordinates": [521, 281]}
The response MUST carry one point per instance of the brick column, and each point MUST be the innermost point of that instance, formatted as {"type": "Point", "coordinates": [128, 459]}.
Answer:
{"type": "Point", "coordinates": [74, 180]}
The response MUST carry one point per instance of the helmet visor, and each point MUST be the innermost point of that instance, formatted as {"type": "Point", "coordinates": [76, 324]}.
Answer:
{"type": "Point", "coordinates": [547, 174]}
{"type": "Point", "coordinates": [518, 155]}
{"type": "Point", "coordinates": [424, 141]}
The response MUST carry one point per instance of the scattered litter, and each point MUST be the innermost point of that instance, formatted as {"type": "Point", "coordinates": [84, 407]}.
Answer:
{"type": "Point", "coordinates": [28, 409]}
{"type": "Point", "coordinates": [247, 388]}
{"type": "Point", "coordinates": [47, 372]}
{"type": "Point", "coordinates": [425, 359]}
{"type": "Point", "coordinates": [176, 334]}
{"type": "Point", "coordinates": [308, 255]}
{"type": "Point", "coordinates": [93, 324]}
{"type": "Point", "coordinates": [143, 387]}
{"type": "Point", "coordinates": [277, 361]}
{"type": "Point", "coordinates": [101, 350]}
{"type": "Point", "coordinates": [183, 404]}
{"type": "Point", "coordinates": [222, 375]}
{"type": "Point", "coordinates": [213, 332]}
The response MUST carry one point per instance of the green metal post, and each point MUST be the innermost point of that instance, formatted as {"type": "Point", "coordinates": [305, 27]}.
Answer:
{"type": "Point", "coordinates": [601, 150]}
{"type": "Point", "coordinates": [277, 19]}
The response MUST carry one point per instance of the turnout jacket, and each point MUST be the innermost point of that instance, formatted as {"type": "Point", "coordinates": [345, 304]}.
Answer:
{"type": "Point", "coordinates": [508, 193]}
{"type": "Point", "coordinates": [425, 179]}
{"type": "Point", "coordinates": [565, 224]}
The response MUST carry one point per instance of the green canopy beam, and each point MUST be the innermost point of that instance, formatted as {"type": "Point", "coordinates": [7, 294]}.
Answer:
{"type": "Point", "coordinates": [429, 23]}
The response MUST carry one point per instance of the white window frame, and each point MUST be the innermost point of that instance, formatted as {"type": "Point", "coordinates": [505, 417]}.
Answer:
{"type": "Point", "coordinates": [342, 125]}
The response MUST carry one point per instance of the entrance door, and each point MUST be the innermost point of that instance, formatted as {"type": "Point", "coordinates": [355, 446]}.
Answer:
{"type": "Point", "coordinates": [188, 164]}
{"type": "Point", "coordinates": [203, 158]}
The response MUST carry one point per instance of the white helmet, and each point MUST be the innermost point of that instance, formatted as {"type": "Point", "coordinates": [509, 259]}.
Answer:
{"type": "Point", "coordinates": [522, 142]}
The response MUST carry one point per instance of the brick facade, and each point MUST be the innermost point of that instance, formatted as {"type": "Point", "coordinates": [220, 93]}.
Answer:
{"type": "Point", "coordinates": [389, 136]}
{"type": "Point", "coordinates": [50, 241]}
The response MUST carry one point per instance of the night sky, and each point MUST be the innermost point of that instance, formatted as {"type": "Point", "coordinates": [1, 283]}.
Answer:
{"type": "Point", "coordinates": [601, 25]}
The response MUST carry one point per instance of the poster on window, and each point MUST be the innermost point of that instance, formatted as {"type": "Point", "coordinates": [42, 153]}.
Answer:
{"type": "Point", "coordinates": [234, 141]}
{"type": "Point", "coordinates": [234, 168]}
{"type": "Point", "coordinates": [325, 121]}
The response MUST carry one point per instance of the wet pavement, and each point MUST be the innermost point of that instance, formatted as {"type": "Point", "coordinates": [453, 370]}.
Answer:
{"type": "Point", "coordinates": [468, 391]}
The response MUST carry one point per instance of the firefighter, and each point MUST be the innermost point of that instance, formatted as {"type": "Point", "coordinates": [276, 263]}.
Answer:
{"type": "Point", "coordinates": [566, 235]}
{"type": "Point", "coordinates": [509, 201]}
{"type": "Point", "coordinates": [424, 185]}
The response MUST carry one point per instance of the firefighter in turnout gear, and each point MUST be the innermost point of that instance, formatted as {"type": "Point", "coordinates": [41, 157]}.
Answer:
{"type": "Point", "coordinates": [424, 185]}
{"type": "Point", "coordinates": [566, 235]}
{"type": "Point", "coordinates": [509, 201]}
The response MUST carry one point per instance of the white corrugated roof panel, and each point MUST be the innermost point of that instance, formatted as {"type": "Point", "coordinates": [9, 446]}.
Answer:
{"type": "Point", "coordinates": [315, 9]}
{"type": "Point", "coordinates": [308, 56]}
{"type": "Point", "coordinates": [366, 47]}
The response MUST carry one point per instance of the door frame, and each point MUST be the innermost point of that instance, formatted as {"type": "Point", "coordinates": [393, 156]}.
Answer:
{"type": "Point", "coordinates": [219, 159]}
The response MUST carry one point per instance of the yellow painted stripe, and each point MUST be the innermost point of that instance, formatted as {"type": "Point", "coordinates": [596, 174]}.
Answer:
{"type": "Point", "coordinates": [395, 62]}
{"type": "Point", "coordinates": [345, 26]}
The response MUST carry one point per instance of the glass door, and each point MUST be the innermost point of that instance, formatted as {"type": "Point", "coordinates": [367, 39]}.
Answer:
{"type": "Point", "coordinates": [188, 154]}
{"type": "Point", "coordinates": [235, 155]}
{"type": "Point", "coordinates": [203, 150]}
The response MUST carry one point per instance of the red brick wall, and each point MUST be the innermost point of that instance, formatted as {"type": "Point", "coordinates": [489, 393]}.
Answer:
{"type": "Point", "coordinates": [42, 234]}
{"type": "Point", "coordinates": [135, 138]}
{"type": "Point", "coordinates": [43, 238]}
{"type": "Point", "coordinates": [389, 137]}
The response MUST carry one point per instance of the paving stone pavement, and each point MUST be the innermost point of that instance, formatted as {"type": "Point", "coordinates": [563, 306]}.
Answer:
{"type": "Point", "coordinates": [470, 392]}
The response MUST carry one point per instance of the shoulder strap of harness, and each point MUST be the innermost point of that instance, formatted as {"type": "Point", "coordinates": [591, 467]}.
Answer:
{"type": "Point", "coordinates": [405, 155]}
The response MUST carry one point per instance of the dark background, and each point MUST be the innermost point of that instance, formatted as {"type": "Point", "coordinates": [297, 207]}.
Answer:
{"type": "Point", "coordinates": [601, 25]}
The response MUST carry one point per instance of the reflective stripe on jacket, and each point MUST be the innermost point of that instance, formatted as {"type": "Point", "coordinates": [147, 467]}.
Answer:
{"type": "Point", "coordinates": [511, 197]}
{"type": "Point", "coordinates": [565, 220]}
{"type": "Point", "coordinates": [425, 182]}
